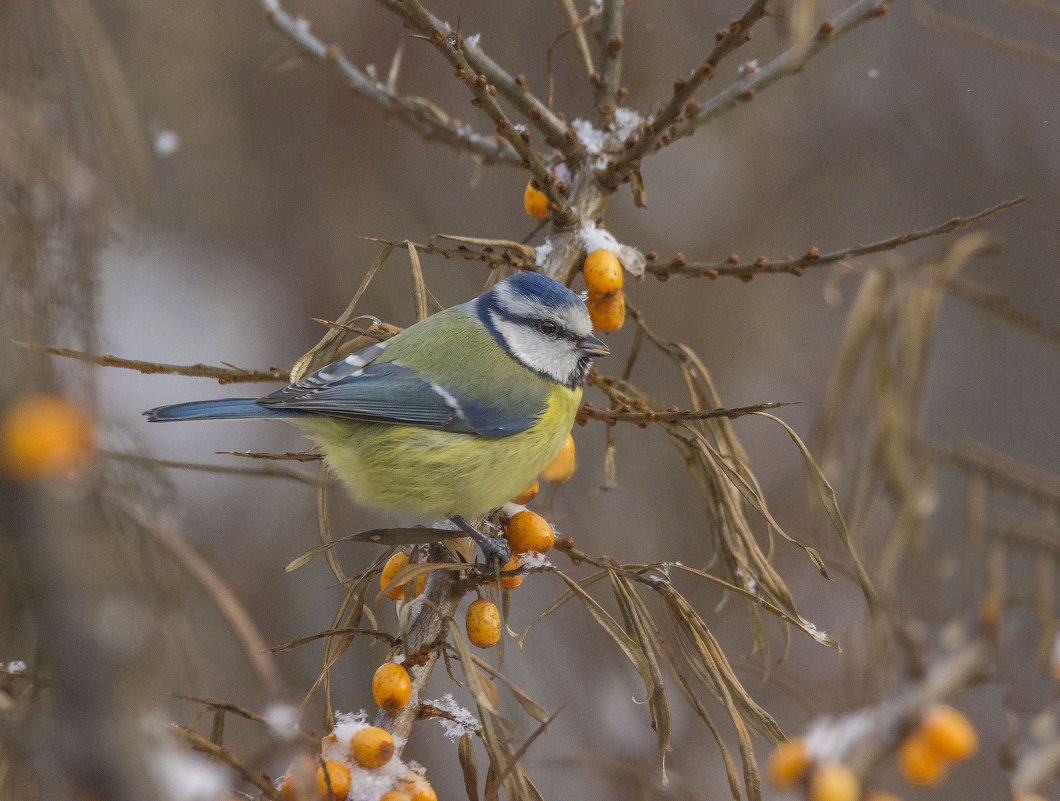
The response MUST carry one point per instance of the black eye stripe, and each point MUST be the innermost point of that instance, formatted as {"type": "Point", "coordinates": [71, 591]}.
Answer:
{"type": "Point", "coordinates": [534, 323]}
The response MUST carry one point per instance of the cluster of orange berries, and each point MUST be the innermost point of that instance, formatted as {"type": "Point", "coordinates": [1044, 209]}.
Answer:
{"type": "Point", "coordinates": [603, 279]}
{"type": "Point", "coordinates": [371, 748]}
{"type": "Point", "coordinates": [943, 736]}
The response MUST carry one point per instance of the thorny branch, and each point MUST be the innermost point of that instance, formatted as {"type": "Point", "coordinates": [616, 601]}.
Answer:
{"type": "Point", "coordinates": [223, 375]}
{"type": "Point", "coordinates": [451, 46]}
{"type": "Point", "coordinates": [556, 132]}
{"type": "Point", "coordinates": [608, 83]}
{"type": "Point", "coordinates": [420, 115]}
{"type": "Point", "coordinates": [681, 104]}
{"type": "Point", "coordinates": [790, 62]}
{"type": "Point", "coordinates": [813, 257]}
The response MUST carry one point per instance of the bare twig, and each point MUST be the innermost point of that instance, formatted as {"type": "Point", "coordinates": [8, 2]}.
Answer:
{"type": "Point", "coordinates": [270, 470]}
{"type": "Point", "coordinates": [237, 618]}
{"type": "Point", "coordinates": [790, 62]}
{"type": "Point", "coordinates": [954, 26]}
{"type": "Point", "coordinates": [299, 456]}
{"type": "Point", "coordinates": [681, 104]}
{"type": "Point", "coordinates": [608, 83]}
{"type": "Point", "coordinates": [557, 133]}
{"type": "Point", "coordinates": [813, 257]}
{"type": "Point", "coordinates": [642, 417]}
{"type": "Point", "coordinates": [223, 375]}
{"type": "Point", "coordinates": [577, 25]}
{"type": "Point", "coordinates": [221, 754]}
{"type": "Point", "coordinates": [424, 118]}
{"type": "Point", "coordinates": [451, 46]}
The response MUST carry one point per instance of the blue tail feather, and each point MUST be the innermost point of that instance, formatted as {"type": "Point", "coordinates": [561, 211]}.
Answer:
{"type": "Point", "coordinates": [224, 409]}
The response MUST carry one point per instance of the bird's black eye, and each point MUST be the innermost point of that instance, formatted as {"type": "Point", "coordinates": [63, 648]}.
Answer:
{"type": "Point", "coordinates": [548, 328]}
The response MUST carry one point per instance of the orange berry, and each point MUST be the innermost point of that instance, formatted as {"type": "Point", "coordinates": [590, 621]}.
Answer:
{"type": "Point", "coordinates": [920, 764]}
{"type": "Point", "coordinates": [391, 686]}
{"type": "Point", "coordinates": [949, 733]}
{"type": "Point", "coordinates": [788, 764]}
{"type": "Point", "coordinates": [603, 273]}
{"type": "Point", "coordinates": [535, 202]}
{"type": "Point", "coordinates": [339, 778]}
{"type": "Point", "coordinates": [608, 313]}
{"type": "Point", "coordinates": [881, 796]}
{"type": "Point", "coordinates": [395, 795]}
{"type": "Point", "coordinates": [419, 788]}
{"type": "Point", "coordinates": [563, 464]}
{"type": "Point", "coordinates": [298, 782]}
{"type": "Point", "coordinates": [372, 747]}
{"type": "Point", "coordinates": [44, 437]}
{"type": "Point", "coordinates": [511, 582]}
{"type": "Point", "coordinates": [390, 569]}
{"type": "Point", "coordinates": [483, 623]}
{"type": "Point", "coordinates": [834, 783]}
{"type": "Point", "coordinates": [529, 531]}
{"type": "Point", "coordinates": [527, 494]}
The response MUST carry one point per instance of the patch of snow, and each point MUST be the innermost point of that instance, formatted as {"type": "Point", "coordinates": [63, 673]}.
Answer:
{"type": "Point", "coordinates": [460, 720]}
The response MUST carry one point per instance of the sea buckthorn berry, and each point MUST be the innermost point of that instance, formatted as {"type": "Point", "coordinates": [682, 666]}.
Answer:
{"type": "Point", "coordinates": [395, 795]}
{"type": "Point", "coordinates": [563, 464]}
{"type": "Point", "coordinates": [535, 202]}
{"type": "Point", "coordinates": [483, 623]}
{"type": "Point", "coordinates": [920, 764]}
{"type": "Point", "coordinates": [529, 531]}
{"type": "Point", "coordinates": [372, 747]}
{"type": "Point", "coordinates": [511, 582]}
{"type": "Point", "coordinates": [391, 686]}
{"type": "Point", "coordinates": [834, 783]}
{"type": "Point", "coordinates": [44, 437]}
{"type": "Point", "coordinates": [608, 313]}
{"type": "Point", "coordinates": [390, 569]}
{"type": "Point", "coordinates": [880, 796]}
{"type": "Point", "coordinates": [299, 782]}
{"type": "Point", "coordinates": [339, 778]}
{"type": "Point", "coordinates": [788, 764]}
{"type": "Point", "coordinates": [603, 273]}
{"type": "Point", "coordinates": [527, 494]}
{"type": "Point", "coordinates": [418, 787]}
{"type": "Point", "coordinates": [949, 733]}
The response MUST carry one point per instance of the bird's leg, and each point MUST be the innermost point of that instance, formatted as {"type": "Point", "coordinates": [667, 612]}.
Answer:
{"type": "Point", "coordinates": [495, 550]}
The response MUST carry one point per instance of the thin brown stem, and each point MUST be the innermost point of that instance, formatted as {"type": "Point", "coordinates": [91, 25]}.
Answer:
{"type": "Point", "coordinates": [223, 375]}
{"type": "Point", "coordinates": [557, 133]}
{"type": "Point", "coordinates": [451, 46]}
{"type": "Point", "coordinates": [610, 79]}
{"type": "Point", "coordinates": [425, 119]}
{"type": "Point", "coordinates": [813, 257]}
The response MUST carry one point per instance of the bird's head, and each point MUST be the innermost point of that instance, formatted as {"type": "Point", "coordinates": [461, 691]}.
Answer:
{"type": "Point", "coordinates": [543, 325]}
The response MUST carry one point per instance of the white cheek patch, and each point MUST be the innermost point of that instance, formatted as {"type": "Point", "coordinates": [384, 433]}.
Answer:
{"type": "Point", "coordinates": [555, 358]}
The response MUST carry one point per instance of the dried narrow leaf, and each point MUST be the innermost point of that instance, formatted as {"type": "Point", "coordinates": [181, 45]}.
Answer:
{"type": "Point", "coordinates": [531, 707]}
{"type": "Point", "coordinates": [609, 624]}
{"type": "Point", "coordinates": [468, 766]}
{"type": "Point", "coordinates": [419, 286]}
{"type": "Point", "coordinates": [798, 622]}
{"type": "Point", "coordinates": [324, 525]}
{"type": "Point", "coordinates": [321, 353]}
{"type": "Point", "coordinates": [831, 505]}
{"type": "Point", "coordinates": [525, 251]}
{"type": "Point", "coordinates": [567, 596]}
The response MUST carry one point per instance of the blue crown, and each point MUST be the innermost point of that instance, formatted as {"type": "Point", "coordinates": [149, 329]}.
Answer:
{"type": "Point", "coordinates": [544, 290]}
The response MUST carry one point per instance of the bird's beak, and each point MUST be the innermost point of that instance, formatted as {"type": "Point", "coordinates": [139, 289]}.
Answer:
{"type": "Point", "coordinates": [593, 346]}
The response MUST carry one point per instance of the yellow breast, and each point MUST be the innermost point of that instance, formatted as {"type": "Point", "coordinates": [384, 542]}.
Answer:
{"type": "Point", "coordinates": [437, 473]}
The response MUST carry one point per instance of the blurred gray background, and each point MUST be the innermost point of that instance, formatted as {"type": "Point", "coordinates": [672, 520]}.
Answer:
{"type": "Point", "coordinates": [279, 168]}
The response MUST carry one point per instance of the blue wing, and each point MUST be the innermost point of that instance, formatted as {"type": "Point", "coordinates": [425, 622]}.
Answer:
{"type": "Point", "coordinates": [387, 392]}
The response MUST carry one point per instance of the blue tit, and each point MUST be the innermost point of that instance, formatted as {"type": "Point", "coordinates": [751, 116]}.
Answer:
{"type": "Point", "coordinates": [453, 416]}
